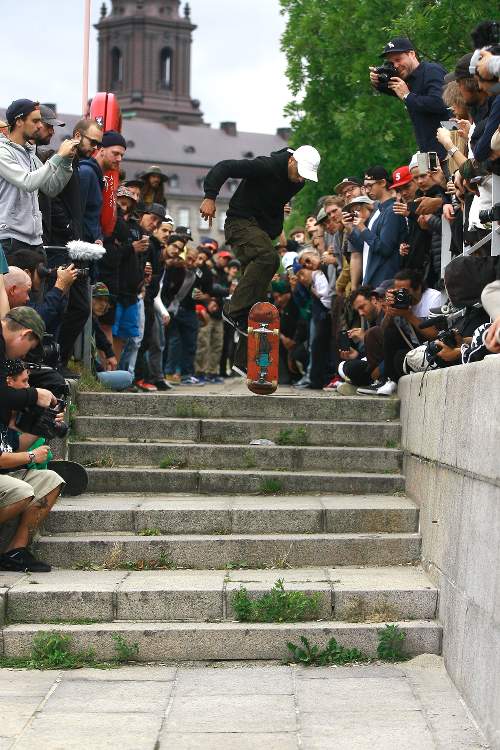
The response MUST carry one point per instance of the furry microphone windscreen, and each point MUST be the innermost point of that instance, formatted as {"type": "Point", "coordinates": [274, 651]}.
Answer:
{"type": "Point", "coordinates": [79, 250]}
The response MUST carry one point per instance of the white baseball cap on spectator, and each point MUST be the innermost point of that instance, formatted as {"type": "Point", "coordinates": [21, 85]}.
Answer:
{"type": "Point", "coordinates": [414, 162]}
{"type": "Point", "coordinates": [308, 159]}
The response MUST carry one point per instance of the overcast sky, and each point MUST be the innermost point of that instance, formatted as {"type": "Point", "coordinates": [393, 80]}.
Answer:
{"type": "Point", "coordinates": [237, 71]}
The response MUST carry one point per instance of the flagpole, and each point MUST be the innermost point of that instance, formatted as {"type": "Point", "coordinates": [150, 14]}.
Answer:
{"type": "Point", "coordinates": [86, 43]}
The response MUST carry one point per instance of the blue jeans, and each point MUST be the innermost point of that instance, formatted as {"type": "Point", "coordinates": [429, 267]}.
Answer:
{"type": "Point", "coordinates": [182, 339]}
{"type": "Point", "coordinates": [117, 380]}
{"type": "Point", "coordinates": [133, 343]}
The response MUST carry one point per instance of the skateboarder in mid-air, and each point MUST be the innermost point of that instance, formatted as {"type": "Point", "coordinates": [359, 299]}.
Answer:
{"type": "Point", "coordinates": [254, 219]}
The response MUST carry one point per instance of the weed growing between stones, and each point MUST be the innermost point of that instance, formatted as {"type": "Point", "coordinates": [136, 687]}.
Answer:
{"type": "Point", "coordinates": [89, 384]}
{"type": "Point", "coordinates": [276, 605]}
{"type": "Point", "coordinates": [270, 487]}
{"type": "Point", "coordinates": [106, 461]}
{"type": "Point", "coordinates": [125, 651]}
{"type": "Point", "coordinates": [297, 436]}
{"type": "Point", "coordinates": [390, 648]}
{"type": "Point", "coordinates": [390, 644]}
{"type": "Point", "coordinates": [172, 462]}
{"type": "Point", "coordinates": [249, 459]}
{"type": "Point", "coordinates": [149, 532]}
{"type": "Point", "coordinates": [391, 443]}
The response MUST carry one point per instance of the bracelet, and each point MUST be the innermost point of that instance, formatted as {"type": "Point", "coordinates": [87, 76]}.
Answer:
{"type": "Point", "coordinates": [452, 151]}
{"type": "Point", "coordinates": [31, 459]}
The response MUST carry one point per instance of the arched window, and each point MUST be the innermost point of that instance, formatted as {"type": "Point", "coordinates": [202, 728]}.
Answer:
{"type": "Point", "coordinates": [116, 66]}
{"type": "Point", "coordinates": [166, 66]}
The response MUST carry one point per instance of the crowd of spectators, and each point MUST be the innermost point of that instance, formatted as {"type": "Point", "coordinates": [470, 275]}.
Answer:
{"type": "Point", "coordinates": [391, 273]}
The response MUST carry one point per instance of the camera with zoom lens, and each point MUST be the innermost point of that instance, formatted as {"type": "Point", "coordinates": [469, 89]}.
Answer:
{"type": "Point", "coordinates": [385, 72]}
{"type": "Point", "coordinates": [402, 299]}
{"type": "Point", "coordinates": [48, 353]}
{"type": "Point", "coordinates": [45, 272]}
{"type": "Point", "coordinates": [487, 215]}
{"type": "Point", "coordinates": [42, 422]}
{"type": "Point", "coordinates": [432, 351]}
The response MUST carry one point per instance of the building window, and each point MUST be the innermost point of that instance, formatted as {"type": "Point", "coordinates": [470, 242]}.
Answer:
{"type": "Point", "coordinates": [166, 59]}
{"type": "Point", "coordinates": [203, 223]}
{"type": "Point", "coordinates": [183, 217]}
{"type": "Point", "coordinates": [173, 181]}
{"type": "Point", "coordinates": [116, 66]}
{"type": "Point", "coordinates": [222, 220]}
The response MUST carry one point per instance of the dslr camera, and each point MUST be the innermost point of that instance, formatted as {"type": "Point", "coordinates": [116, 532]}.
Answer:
{"type": "Point", "coordinates": [432, 351]}
{"type": "Point", "coordinates": [385, 72]}
{"type": "Point", "coordinates": [46, 272]}
{"type": "Point", "coordinates": [42, 422]}
{"type": "Point", "coordinates": [402, 299]}
{"type": "Point", "coordinates": [47, 354]}
{"type": "Point", "coordinates": [487, 215]}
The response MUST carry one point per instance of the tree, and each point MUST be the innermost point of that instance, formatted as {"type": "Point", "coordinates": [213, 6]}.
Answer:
{"type": "Point", "coordinates": [330, 45]}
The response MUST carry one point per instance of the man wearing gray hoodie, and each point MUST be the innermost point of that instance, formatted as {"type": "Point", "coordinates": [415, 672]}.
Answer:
{"type": "Point", "coordinates": [22, 175]}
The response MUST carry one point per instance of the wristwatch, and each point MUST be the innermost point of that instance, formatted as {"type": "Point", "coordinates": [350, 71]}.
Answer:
{"type": "Point", "coordinates": [32, 458]}
{"type": "Point", "coordinates": [452, 151]}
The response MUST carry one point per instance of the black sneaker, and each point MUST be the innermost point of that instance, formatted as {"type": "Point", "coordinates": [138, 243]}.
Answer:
{"type": "Point", "coordinates": [163, 385]}
{"type": "Point", "coordinates": [21, 560]}
{"type": "Point", "coordinates": [239, 322]}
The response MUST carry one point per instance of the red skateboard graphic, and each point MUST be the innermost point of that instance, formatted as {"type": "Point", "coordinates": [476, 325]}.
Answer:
{"type": "Point", "coordinates": [263, 348]}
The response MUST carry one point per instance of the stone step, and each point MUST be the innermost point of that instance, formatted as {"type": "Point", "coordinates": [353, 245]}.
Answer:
{"type": "Point", "coordinates": [185, 514]}
{"type": "Point", "coordinates": [241, 481]}
{"type": "Point", "coordinates": [324, 407]}
{"type": "Point", "coordinates": [177, 455]}
{"type": "Point", "coordinates": [166, 641]}
{"type": "Point", "coordinates": [221, 551]}
{"type": "Point", "coordinates": [346, 594]}
{"type": "Point", "coordinates": [172, 429]}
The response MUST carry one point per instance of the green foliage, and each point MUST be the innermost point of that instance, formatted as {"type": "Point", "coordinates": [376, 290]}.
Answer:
{"type": "Point", "coordinates": [329, 47]}
{"type": "Point", "coordinates": [89, 384]}
{"type": "Point", "coordinates": [270, 487]}
{"type": "Point", "coordinates": [150, 532]}
{"type": "Point", "coordinates": [390, 644]}
{"type": "Point", "coordinates": [190, 410]}
{"type": "Point", "coordinates": [297, 436]}
{"type": "Point", "coordinates": [125, 651]}
{"type": "Point", "coordinates": [276, 605]}
{"type": "Point", "coordinates": [52, 651]}
{"type": "Point", "coordinates": [334, 653]}
{"type": "Point", "coordinates": [172, 462]}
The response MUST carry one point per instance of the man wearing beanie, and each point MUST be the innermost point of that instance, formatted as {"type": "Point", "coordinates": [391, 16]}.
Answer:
{"type": "Point", "coordinates": [91, 170]}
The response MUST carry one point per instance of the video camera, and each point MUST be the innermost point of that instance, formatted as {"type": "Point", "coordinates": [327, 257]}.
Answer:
{"type": "Point", "coordinates": [385, 72]}
{"type": "Point", "coordinates": [37, 420]}
{"type": "Point", "coordinates": [46, 272]}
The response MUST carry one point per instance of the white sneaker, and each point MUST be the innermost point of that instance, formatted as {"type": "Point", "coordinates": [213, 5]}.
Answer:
{"type": "Point", "coordinates": [388, 389]}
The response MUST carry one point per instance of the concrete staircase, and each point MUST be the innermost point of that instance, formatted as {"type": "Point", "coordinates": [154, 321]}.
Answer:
{"type": "Point", "coordinates": [182, 512]}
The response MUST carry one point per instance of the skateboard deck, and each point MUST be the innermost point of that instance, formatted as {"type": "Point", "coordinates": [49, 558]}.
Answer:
{"type": "Point", "coordinates": [106, 110]}
{"type": "Point", "coordinates": [263, 348]}
{"type": "Point", "coordinates": [74, 475]}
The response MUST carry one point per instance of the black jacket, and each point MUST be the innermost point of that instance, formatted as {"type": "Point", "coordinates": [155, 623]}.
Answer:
{"type": "Point", "coordinates": [12, 399]}
{"type": "Point", "coordinates": [425, 105]}
{"type": "Point", "coordinates": [263, 192]}
{"type": "Point", "coordinates": [66, 211]}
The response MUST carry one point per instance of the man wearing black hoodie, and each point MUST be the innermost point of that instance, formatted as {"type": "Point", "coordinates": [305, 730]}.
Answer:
{"type": "Point", "coordinates": [255, 218]}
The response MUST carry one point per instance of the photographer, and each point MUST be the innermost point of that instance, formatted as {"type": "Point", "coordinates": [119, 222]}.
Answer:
{"type": "Point", "coordinates": [25, 490]}
{"type": "Point", "coordinates": [407, 305]}
{"type": "Point", "coordinates": [419, 85]}
{"type": "Point", "coordinates": [22, 175]}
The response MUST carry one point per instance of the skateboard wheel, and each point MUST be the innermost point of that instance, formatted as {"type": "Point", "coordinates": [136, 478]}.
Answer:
{"type": "Point", "coordinates": [276, 331]}
{"type": "Point", "coordinates": [250, 329]}
{"type": "Point", "coordinates": [274, 383]}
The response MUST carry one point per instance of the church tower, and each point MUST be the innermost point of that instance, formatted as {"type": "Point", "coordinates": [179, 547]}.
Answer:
{"type": "Point", "coordinates": [145, 59]}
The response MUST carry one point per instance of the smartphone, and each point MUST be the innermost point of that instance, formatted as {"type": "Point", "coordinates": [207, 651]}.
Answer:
{"type": "Point", "coordinates": [433, 161]}
{"type": "Point", "coordinates": [345, 342]}
{"type": "Point", "coordinates": [422, 162]}
{"type": "Point", "coordinates": [449, 125]}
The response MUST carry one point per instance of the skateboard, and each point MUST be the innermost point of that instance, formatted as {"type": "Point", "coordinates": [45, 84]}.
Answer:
{"type": "Point", "coordinates": [263, 348]}
{"type": "Point", "coordinates": [106, 110]}
{"type": "Point", "coordinates": [74, 475]}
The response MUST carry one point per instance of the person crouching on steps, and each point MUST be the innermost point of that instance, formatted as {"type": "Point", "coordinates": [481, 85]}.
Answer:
{"type": "Point", "coordinates": [254, 219]}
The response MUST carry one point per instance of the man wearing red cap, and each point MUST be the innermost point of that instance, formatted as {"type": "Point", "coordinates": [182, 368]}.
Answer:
{"type": "Point", "coordinates": [415, 252]}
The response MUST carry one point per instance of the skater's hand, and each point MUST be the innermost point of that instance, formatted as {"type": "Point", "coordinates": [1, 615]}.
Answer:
{"type": "Point", "coordinates": [111, 363]}
{"type": "Point", "coordinates": [41, 454]}
{"type": "Point", "coordinates": [208, 210]}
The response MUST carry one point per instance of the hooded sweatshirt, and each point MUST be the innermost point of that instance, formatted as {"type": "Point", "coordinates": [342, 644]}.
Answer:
{"type": "Point", "coordinates": [263, 192]}
{"type": "Point", "coordinates": [22, 175]}
{"type": "Point", "coordinates": [91, 187]}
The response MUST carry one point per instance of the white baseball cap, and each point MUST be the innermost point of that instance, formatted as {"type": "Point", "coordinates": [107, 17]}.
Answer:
{"type": "Point", "coordinates": [308, 159]}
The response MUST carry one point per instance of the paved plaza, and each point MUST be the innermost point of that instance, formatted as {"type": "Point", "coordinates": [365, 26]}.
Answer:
{"type": "Point", "coordinates": [412, 706]}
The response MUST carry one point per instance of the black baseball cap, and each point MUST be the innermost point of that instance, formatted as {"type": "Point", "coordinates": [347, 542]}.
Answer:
{"type": "Point", "coordinates": [49, 117]}
{"type": "Point", "coordinates": [378, 172]}
{"type": "Point", "coordinates": [348, 181]}
{"type": "Point", "coordinates": [398, 44]}
{"type": "Point", "coordinates": [156, 209]}
{"type": "Point", "coordinates": [461, 69]}
{"type": "Point", "coordinates": [20, 108]}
